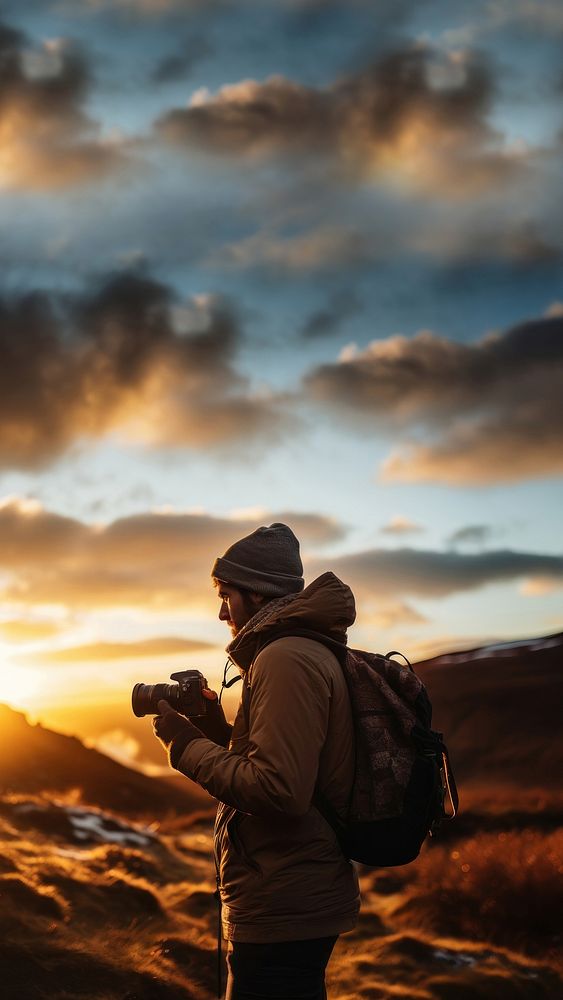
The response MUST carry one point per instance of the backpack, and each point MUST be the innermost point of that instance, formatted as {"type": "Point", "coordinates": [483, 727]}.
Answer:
{"type": "Point", "coordinates": [402, 775]}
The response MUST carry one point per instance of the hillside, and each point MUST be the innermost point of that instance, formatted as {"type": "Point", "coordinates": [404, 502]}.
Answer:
{"type": "Point", "coordinates": [38, 761]}
{"type": "Point", "coordinates": [107, 876]}
{"type": "Point", "coordinates": [500, 708]}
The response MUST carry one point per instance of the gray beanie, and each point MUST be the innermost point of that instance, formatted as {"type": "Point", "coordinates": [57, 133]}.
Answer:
{"type": "Point", "coordinates": [267, 562]}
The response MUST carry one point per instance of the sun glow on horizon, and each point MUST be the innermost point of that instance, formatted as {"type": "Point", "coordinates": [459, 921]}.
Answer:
{"type": "Point", "coordinates": [20, 687]}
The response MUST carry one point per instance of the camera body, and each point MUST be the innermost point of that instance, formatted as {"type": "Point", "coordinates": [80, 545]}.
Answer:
{"type": "Point", "coordinates": [185, 696]}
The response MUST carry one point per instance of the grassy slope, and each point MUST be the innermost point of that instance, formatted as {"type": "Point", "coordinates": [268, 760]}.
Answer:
{"type": "Point", "coordinates": [476, 917]}
{"type": "Point", "coordinates": [36, 760]}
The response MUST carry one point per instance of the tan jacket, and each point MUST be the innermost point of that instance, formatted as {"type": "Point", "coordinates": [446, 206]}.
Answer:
{"type": "Point", "coordinates": [282, 873]}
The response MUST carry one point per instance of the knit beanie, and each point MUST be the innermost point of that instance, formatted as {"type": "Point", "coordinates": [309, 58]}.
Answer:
{"type": "Point", "coordinates": [267, 562]}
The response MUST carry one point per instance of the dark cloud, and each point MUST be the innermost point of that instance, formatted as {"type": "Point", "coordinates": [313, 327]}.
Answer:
{"type": "Point", "coordinates": [309, 17]}
{"type": "Point", "coordinates": [156, 561]}
{"type": "Point", "coordinates": [153, 8]}
{"type": "Point", "coordinates": [126, 358]}
{"type": "Point", "coordinates": [180, 63]}
{"type": "Point", "coordinates": [491, 411]}
{"type": "Point", "coordinates": [473, 534]}
{"type": "Point", "coordinates": [46, 137]}
{"type": "Point", "coordinates": [416, 114]}
{"type": "Point", "coordinates": [387, 572]}
{"type": "Point", "coordinates": [329, 320]}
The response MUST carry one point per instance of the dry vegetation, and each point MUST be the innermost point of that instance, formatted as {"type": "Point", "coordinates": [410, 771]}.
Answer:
{"type": "Point", "coordinates": [99, 903]}
{"type": "Point", "coordinates": [97, 908]}
{"type": "Point", "coordinates": [84, 917]}
{"type": "Point", "coordinates": [503, 888]}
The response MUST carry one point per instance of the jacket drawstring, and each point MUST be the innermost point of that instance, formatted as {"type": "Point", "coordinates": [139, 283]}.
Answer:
{"type": "Point", "coordinates": [217, 896]}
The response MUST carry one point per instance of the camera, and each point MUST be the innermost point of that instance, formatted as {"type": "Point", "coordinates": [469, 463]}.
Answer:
{"type": "Point", "coordinates": [185, 696]}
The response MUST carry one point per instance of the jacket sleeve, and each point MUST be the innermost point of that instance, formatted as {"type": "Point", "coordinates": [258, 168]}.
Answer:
{"type": "Point", "coordinates": [289, 712]}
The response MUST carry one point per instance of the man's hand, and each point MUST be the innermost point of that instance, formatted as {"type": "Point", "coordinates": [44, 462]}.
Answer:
{"type": "Point", "coordinates": [174, 731]}
{"type": "Point", "coordinates": [214, 724]}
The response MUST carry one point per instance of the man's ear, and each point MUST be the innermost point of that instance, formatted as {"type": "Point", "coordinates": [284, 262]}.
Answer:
{"type": "Point", "coordinates": [257, 600]}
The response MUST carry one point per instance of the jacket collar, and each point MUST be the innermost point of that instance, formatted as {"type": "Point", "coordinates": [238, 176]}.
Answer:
{"type": "Point", "coordinates": [326, 606]}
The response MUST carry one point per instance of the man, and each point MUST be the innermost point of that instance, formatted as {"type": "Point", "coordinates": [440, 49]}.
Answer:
{"type": "Point", "coordinates": [287, 890]}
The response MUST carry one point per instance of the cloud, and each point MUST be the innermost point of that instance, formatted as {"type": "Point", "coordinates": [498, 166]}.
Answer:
{"type": "Point", "coordinates": [103, 651]}
{"type": "Point", "coordinates": [47, 141]}
{"type": "Point", "coordinates": [417, 117]}
{"type": "Point", "coordinates": [546, 16]}
{"type": "Point", "coordinates": [153, 7]}
{"type": "Point", "coordinates": [389, 615]}
{"type": "Point", "coordinates": [382, 573]}
{"type": "Point", "coordinates": [472, 534]}
{"type": "Point", "coordinates": [158, 561]}
{"type": "Point", "coordinates": [179, 63]}
{"type": "Point", "coordinates": [124, 359]}
{"type": "Point", "coordinates": [540, 586]}
{"type": "Point", "coordinates": [28, 630]}
{"type": "Point", "coordinates": [161, 563]}
{"type": "Point", "coordinates": [319, 249]}
{"type": "Point", "coordinates": [120, 745]}
{"type": "Point", "coordinates": [491, 411]}
{"type": "Point", "coordinates": [341, 306]}
{"type": "Point", "coordinates": [399, 525]}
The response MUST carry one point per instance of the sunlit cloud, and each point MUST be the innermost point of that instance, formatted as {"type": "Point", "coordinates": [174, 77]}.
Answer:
{"type": "Point", "coordinates": [491, 411]}
{"type": "Point", "coordinates": [99, 652]}
{"type": "Point", "coordinates": [120, 745]}
{"type": "Point", "coordinates": [162, 562]}
{"type": "Point", "coordinates": [418, 117]}
{"type": "Point", "coordinates": [124, 359]}
{"type": "Point", "coordinates": [28, 630]}
{"type": "Point", "coordinates": [399, 525]}
{"type": "Point", "coordinates": [157, 561]}
{"type": "Point", "coordinates": [540, 586]}
{"type": "Point", "coordinates": [389, 615]}
{"type": "Point", "coordinates": [47, 141]}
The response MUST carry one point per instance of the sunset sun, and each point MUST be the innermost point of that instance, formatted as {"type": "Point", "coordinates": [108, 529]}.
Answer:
{"type": "Point", "coordinates": [19, 686]}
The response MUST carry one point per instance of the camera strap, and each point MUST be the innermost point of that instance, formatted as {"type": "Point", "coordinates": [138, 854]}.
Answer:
{"type": "Point", "coordinates": [225, 683]}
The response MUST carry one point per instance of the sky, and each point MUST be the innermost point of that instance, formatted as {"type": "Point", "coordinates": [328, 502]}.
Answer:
{"type": "Point", "coordinates": [268, 261]}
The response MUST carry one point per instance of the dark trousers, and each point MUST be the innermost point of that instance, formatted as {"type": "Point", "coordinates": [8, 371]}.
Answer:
{"type": "Point", "coordinates": [282, 970]}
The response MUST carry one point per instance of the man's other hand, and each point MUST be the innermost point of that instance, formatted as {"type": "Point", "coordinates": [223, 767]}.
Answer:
{"type": "Point", "coordinates": [174, 731]}
{"type": "Point", "coordinates": [214, 724]}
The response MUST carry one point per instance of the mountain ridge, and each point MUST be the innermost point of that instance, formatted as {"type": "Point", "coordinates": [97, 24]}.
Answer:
{"type": "Point", "coordinates": [34, 759]}
{"type": "Point", "coordinates": [498, 706]}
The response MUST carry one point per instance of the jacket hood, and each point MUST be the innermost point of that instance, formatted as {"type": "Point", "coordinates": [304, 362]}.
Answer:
{"type": "Point", "coordinates": [327, 606]}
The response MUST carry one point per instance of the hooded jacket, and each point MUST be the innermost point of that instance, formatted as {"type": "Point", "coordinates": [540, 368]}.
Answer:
{"type": "Point", "coordinates": [282, 874]}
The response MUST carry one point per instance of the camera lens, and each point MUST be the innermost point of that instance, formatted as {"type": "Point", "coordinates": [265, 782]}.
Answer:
{"type": "Point", "coordinates": [145, 698]}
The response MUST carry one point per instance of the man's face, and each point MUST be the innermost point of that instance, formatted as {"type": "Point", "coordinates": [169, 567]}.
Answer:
{"type": "Point", "coordinates": [237, 606]}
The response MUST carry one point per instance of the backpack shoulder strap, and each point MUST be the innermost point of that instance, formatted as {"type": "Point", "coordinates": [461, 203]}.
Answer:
{"type": "Point", "coordinates": [339, 649]}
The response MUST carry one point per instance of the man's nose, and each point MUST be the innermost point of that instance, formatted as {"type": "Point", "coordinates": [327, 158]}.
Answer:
{"type": "Point", "coordinates": [224, 615]}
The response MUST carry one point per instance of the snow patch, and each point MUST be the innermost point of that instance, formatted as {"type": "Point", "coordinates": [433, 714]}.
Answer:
{"type": "Point", "coordinates": [89, 825]}
{"type": "Point", "coordinates": [502, 649]}
{"type": "Point", "coordinates": [457, 958]}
